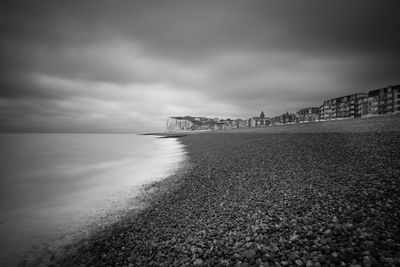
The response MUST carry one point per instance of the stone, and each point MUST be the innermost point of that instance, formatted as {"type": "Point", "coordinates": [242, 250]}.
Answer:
{"type": "Point", "coordinates": [294, 237]}
{"type": "Point", "coordinates": [298, 262]}
{"type": "Point", "coordinates": [248, 245]}
{"type": "Point", "coordinates": [388, 260]}
{"type": "Point", "coordinates": [367, 261]}
{"type": "Point", "coordinates": [198, 262]}
{"type": "Point", "coordinates": [224, 262]}
{"type": "Point", "coordinates": [251, 253]}
{"type": "Point", "coordinates": [321, 258]}
{"type": "Point", "coordinates": [365, 253]}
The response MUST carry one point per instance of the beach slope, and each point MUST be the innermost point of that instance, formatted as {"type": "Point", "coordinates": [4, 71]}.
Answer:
{"type": "Point", "coordinates": [289, 198]}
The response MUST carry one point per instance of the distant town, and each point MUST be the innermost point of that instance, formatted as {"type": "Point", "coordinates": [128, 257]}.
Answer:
{"type": "Point", "coordinates": [374, 103]}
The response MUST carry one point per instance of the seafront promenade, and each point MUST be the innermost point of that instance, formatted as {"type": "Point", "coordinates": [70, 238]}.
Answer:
{"type": "Point", "coordinates": [301, 195]}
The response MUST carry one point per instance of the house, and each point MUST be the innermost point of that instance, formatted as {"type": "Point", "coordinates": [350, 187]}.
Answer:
{"type": "Point", "coordinates": [307, 114]}
{"type": "Point", "coordinates": [287, 118]}
{"type": "Point", "coordinates": [259, 121]}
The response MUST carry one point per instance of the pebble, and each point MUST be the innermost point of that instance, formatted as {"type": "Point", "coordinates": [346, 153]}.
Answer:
{"type": "Point", "coordinates": [260, 198]}
{"type": "Point", "coordinates": [198, 262]}
{"type": "Point", "coordinates": [251, 253]}
{"type": "Point", "coordinates": [299, 262]}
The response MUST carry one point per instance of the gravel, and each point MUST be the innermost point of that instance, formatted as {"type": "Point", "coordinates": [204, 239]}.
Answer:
{"type": "Point", "coordinates": [266, 199]}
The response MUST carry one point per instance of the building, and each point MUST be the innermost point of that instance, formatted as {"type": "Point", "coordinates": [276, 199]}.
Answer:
{"type": "Point", "coordinates": [396, 98]}
{"type": "Point", "coordinates": [288, 118]}
{"type": "Point", "coordinates": [259, 121]}
{"type": "Point", "coordinates": [343, 107]}
{"type": "Point", "coordinates": [307, 114]}
{"type": "Point", "coordinates": [383, 101]}
{"type": "Point", "coordinates": [276, 120]}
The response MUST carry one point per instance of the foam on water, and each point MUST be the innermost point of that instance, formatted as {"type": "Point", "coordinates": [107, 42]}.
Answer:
{"type": "Point", "coordinates": [53, 184]}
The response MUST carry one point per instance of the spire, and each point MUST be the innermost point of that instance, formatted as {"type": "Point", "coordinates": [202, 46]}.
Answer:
{"type": "Point", "coordinates": [262, 116]}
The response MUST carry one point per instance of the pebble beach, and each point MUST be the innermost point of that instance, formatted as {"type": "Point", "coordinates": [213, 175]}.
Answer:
{"type": "Point", "coordinates": [301, 195]}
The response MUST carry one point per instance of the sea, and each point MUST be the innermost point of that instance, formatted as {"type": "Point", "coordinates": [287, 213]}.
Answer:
{"type": "Point", "coordinates": [55, 187]}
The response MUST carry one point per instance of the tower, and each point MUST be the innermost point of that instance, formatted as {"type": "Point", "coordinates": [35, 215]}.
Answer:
{"type": "Point", "coordinates": [262, 116]}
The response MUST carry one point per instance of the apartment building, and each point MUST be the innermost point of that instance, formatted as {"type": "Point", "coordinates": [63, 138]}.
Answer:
{"type": "Point", "coordinates": [396, 98]}
{"type": "Point", "coordinates": [383, 101]}
{"type": "Point", "coordinates": [342, 107]}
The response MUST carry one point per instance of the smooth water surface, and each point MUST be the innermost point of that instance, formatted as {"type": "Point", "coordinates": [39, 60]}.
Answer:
{"type": "Point", "coordinates": [53, 184]}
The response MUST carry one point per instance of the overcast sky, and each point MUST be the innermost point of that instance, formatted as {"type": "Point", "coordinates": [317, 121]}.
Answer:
{"type": "Point", "coordinates": [125, 66]}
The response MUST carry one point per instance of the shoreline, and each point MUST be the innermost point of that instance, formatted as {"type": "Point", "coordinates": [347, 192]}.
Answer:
{"type": "Point", "coordinates": [144, 197]}
{"type": "Point", "coordinates": [382, 123]}
{"type": "Point", "coordinates": [123, 187]}
{"type": "Point", "coordinates": [305, 199]}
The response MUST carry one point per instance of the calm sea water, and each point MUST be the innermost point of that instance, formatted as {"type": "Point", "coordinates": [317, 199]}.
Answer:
{"type": "Point", "coordinates": [52, 185]}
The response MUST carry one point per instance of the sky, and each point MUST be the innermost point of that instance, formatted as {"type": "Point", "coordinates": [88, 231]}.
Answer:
{"type": "Point", "coordinates": [125, 66]}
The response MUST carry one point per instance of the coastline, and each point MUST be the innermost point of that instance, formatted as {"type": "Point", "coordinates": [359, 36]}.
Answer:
{"type": "Point", "coordinates": [382, 123]}
{"type": "Point", "coordinates": [143, 197]}
{"type": "Point", "coordinates": [259, 198]}
{"type": "Point", "coordinates": [97, 204]}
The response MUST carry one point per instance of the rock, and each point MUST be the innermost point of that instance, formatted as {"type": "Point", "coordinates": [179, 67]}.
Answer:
{"type": "Point", "coordinates": [327, 232]}
{"type": "Point", "coordinates": [224, 262]}
{"type": "Point", "coordinates": [321, 258]}
{"type": "Point", "coordinates": [388, 260]}
{"type": "Point", "coordinates": [242, 264]}
{"type": "Point", "coordinates": [367, 261]}
{"type": "Point", "coordinates": [198, 262]}
{"type": "Point", "coordinates": [293, 256]}
{"type": "Point", "coordinates": [298, 262]}
{"type": "Point", "coordinates": [309, 263]}
{"type": "Point", "coordinates": [263, 249]}
{"type": "Point", "coordinates": [365, 253]}
{"type": "Point", "coordinates": [248, 245]}
{"type": "Point", "coordinates": [294, 237]}
{"type": "Point", "coordinates": [251, 253]}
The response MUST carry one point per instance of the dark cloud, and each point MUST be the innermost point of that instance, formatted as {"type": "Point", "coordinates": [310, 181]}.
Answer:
{"type": "Point", "coordinates": [102, 65]}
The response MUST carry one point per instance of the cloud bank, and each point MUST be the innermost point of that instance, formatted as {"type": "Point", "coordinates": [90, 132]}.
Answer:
{"type": "Point", "coordinates": [124, 66]}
